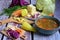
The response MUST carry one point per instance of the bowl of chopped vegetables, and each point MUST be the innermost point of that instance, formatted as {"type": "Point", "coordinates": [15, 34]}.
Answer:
{"type": "Point", "coordinates": [47, 25]}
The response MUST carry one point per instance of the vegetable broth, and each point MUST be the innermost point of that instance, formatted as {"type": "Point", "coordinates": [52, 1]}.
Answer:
{"type": "Point", "coordinates": [47, 24]}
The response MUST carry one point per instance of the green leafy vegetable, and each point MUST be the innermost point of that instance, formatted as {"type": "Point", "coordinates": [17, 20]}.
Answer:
{"type": "Point", "coordinates": [42, 3]}
{"type": "Point", "coordinates": [9, 11]}
{"type": "Point", "coordinates": [53, 1]}
{"type": "Point", "coordinates": [48, 9]}
{"type": "Point", "coordinates": [47, 6]}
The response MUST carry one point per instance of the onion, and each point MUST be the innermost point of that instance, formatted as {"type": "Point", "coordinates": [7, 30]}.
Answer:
{"type": "Point", "coordinates": [35, 16]}
{"type": "Point", "coordinates": [13, 33]}
{"type": "Point", "coordinates": [23, 3]}
{"type": "Point", "coordinates": [19, 2]}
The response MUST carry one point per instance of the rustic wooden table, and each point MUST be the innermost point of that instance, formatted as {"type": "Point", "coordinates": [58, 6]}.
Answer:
{"type": "Point", "coordinates": [31, 36]}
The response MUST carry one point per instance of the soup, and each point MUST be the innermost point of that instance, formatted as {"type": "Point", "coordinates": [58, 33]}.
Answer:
{"type": "Point", "coordinates": [47, 24]}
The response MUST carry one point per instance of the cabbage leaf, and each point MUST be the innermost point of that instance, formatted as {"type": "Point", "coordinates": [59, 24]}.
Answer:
{"type": "Point", "coordinates": [47, 6]}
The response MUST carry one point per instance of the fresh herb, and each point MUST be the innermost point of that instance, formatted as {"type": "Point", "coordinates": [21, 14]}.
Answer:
{"type": "Point", "coordinates": [10, 10]}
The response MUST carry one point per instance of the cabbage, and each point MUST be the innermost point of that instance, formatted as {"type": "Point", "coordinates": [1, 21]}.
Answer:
{"type": "Point", "coordinates": [36, 15]}
{"type": "Point", "coordinates": [42, 3]}
{"type": "Point", "coordinates": [47, 6]}
{"type": "Point", "coordinates": [13, 33]}
{"type": "Point", "coordinates": [53, 1]}
{"type": "Point", "coordinates": [23, 3]}
{"type": "Point", "coordinates": [48, 9]}
{"type": "Point", "coordinates": [18, 2]}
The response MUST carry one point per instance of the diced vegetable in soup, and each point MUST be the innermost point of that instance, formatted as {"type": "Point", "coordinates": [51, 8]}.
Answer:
{"type": "Point", "coordinates": [47, 24]}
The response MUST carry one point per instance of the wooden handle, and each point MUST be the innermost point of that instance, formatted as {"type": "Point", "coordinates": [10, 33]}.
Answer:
{"type": "Point", "coordinates": [12, 20]}
{"type": "Point", "coordinates": [5, 21]}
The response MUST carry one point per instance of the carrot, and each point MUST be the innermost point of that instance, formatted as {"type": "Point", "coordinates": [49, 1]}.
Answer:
{"type": "Point", "coordinates": [44, 19]}
{"type": "Point", "coordinates": [17, 13]}
{"type": "Point", "coordinates": [51, 14]}
{"type": "Point", "coordinates": [48, 28]}
{"type": "Point", "coordinates": [55, 25]}
{"type": "Point", "coordinates": [20, 31]}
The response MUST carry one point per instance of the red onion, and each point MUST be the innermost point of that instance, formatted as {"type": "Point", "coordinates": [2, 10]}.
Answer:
{"type": "Point", "coordinates": [13, 33]}
{"type": "Point", "coordinates": [19, 2]}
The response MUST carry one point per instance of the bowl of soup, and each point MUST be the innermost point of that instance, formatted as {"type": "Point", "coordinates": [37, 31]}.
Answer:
{"type": "Point", "coordinates": [47, 25]}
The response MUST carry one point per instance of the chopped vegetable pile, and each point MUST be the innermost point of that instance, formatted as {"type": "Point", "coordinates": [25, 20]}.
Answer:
{"type": "Point", "coordinates": [14, 31]}
{"type": "Point", "coordinates": [20, 13]}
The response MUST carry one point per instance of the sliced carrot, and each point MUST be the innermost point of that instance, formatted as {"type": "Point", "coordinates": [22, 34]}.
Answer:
{"type": "Point", "coordinates": [44, 19]}
{"type": "Point", "coordinates": [48, 28]}
{"type": "Point", "coordinates": [17, 13]}
{"type": "Point", "coordinates": [55, 25]}
{"type": "Point", "coordinates": [51, 14]}
{"type": "Point", "coordinates": [21, 31]}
